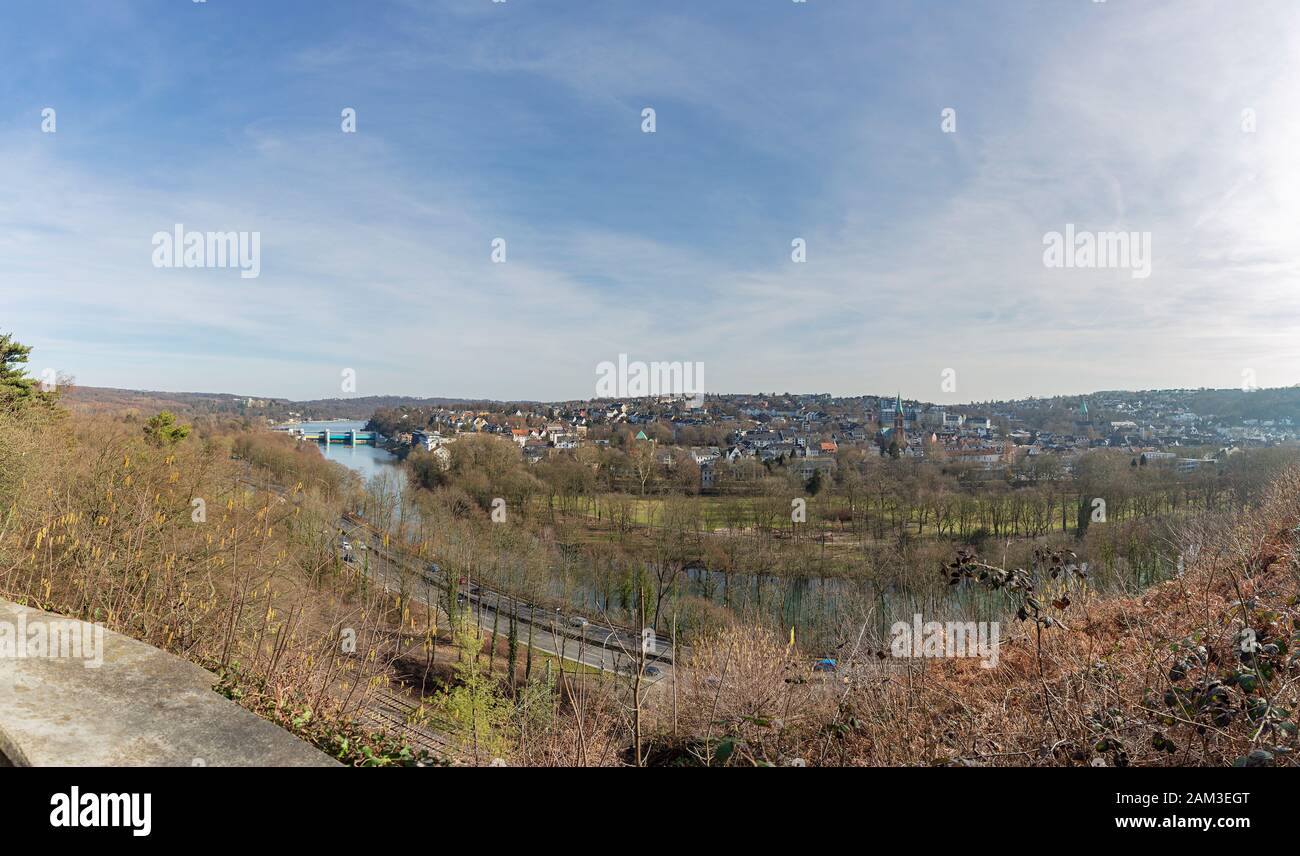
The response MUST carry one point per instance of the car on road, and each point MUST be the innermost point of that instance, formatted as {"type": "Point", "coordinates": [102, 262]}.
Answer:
{"type": "Point", "coordinates": [578, 621]}
{"type": "Point", "coordinates": [653, 671]}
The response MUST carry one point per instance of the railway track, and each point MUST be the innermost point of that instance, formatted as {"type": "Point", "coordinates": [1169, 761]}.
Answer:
{"type": "Point", "coordinates": [393, 714]}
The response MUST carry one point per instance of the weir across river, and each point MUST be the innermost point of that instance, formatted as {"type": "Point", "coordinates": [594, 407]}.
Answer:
{"type": "Point", "coordinates": [351, 437]}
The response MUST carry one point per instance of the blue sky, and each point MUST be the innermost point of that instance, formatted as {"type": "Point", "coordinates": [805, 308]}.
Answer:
{"type": "Point", "coordinates": [775, 120]}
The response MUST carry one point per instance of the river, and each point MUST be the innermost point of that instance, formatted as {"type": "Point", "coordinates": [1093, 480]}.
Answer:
{"type": "Point", "coordinates": [367, 461]}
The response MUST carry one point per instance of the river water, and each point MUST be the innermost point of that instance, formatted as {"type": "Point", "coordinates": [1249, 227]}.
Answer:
{"type": "Point", "coordinates": [368, 461]}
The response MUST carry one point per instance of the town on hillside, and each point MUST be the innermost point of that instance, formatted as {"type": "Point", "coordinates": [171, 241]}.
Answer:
{"type": "Point", "coordinates": [731, 435]}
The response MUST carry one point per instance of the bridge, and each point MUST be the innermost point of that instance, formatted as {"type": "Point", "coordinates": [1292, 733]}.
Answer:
{"type": "Point", "coordinates": [352, 437]}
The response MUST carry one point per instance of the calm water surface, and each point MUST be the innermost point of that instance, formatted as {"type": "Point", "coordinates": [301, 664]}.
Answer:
{"type": "Point", "coordinates": [369, 461]}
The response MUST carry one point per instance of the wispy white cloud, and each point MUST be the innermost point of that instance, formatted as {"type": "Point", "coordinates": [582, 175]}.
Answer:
{"type": "Point", "coordinates": [924, 249]}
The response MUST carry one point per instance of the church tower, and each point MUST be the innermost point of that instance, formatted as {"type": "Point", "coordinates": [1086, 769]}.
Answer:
{"type": "Point", "coordinates": [1083, 421]}
{"type": "Point", "coordinates": [899, 433]}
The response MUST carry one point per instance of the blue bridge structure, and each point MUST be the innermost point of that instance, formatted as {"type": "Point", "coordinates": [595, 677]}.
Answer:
{"type": "Point", "coordinates": [351, 436]}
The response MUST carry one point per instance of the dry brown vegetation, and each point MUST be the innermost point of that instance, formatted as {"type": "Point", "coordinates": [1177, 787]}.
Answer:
{"type": "Point", "coordinates": [99, 523]}
{"type": "Point", "coordinates": [175, 545]}
{"type": "Point", "coordinates": [1165, 678]}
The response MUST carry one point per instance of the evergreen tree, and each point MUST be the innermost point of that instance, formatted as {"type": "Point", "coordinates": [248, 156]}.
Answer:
{"type": "Point", "coordinates": [814, 485]}
{"type": "Point", "coordinates": [163, 430]}
{"type": "Point", "coordinates": [1085, 517]}
{"type": "Point", "coordinates": [15, 385]}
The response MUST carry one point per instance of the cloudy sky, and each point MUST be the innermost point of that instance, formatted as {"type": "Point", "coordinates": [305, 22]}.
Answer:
{"type": "Point", "coordinates": [774, 120]}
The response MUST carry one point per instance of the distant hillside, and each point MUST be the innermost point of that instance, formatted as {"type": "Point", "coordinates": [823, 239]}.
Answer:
{"type": "Point", "coordinates": [107, 400]}
{"type": "Point", "coordinates": [1219, 406]}
{"type": "Point", "coordinates": [1230, 405]}
{"type": "Point", "coordinates": [103, 399]}
{"type": "Point", "coordinates": [1225, 406]}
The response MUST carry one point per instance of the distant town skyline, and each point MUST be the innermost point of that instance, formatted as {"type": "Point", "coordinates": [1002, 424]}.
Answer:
{"type": "Point", "coordinates": [1076, 397]}
{"type": "Point", "coordinates": [470, 200]}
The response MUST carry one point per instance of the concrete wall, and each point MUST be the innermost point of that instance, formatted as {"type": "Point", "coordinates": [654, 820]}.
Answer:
{"type": "Point", "coordinates": [108, 700]}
